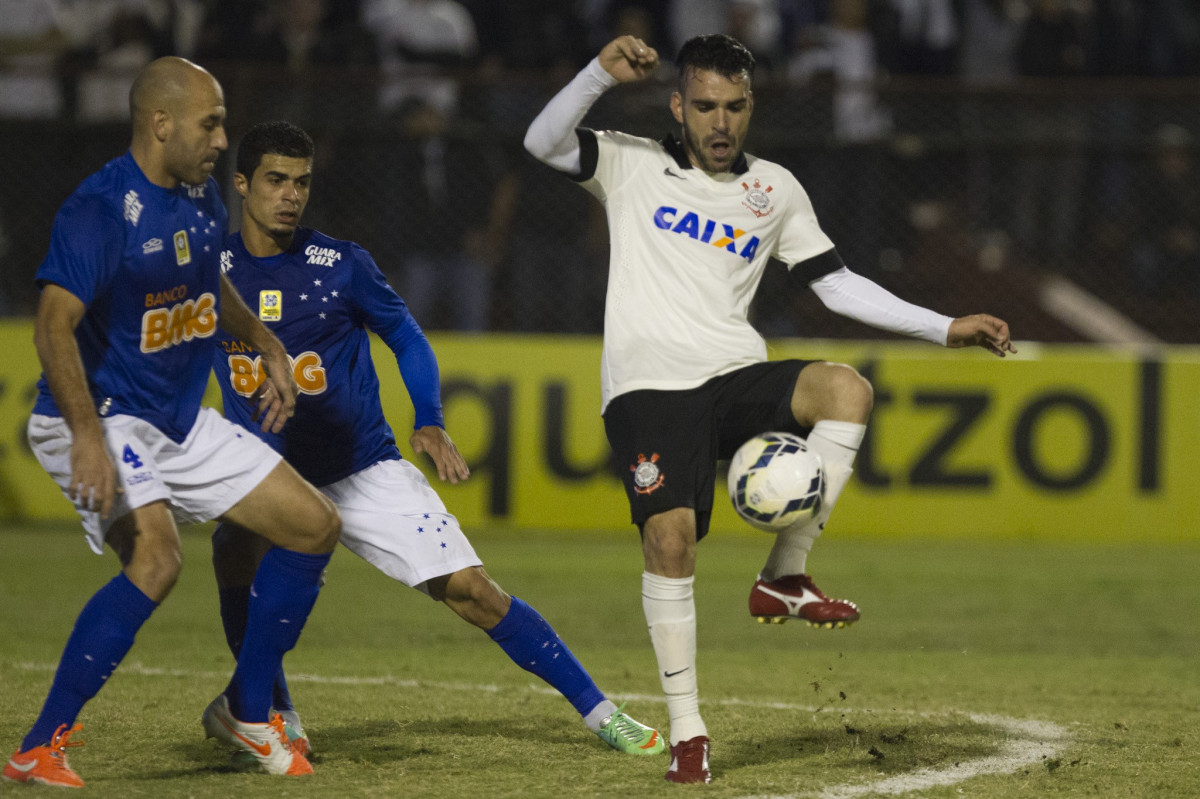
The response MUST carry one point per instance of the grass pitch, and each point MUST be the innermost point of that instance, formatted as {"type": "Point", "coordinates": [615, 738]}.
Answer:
{"type": "Point", "coordinates": [985, 669]}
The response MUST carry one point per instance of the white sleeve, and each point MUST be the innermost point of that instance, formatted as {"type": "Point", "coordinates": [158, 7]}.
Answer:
{"type": "Point", "coordinates": [853, 295]}
{"type": "Point", "coordinates": [551, 137]}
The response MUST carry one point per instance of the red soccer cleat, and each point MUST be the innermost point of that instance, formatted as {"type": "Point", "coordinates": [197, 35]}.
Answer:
{"type": "Point", "coordinates": [796, 596]}
{"type": "Point", "coordinates": [47, 763]}
{"type": "Point", "coordinates": [689, 761]}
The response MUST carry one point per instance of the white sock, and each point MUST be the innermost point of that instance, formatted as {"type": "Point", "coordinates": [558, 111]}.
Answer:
{"type": "Point", "coordinates": [598, 714]}
{"type": "Point", "coordinates": [837, 443]}
{"type": "Point", "coordinates": [671, 616]}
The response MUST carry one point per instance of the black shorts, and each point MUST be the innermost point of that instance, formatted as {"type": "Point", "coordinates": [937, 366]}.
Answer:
{"type": "Point", "coordinates": [666, 444]}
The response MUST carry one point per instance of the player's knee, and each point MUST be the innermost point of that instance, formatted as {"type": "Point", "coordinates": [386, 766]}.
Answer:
{"type": "Point", "coordinates": [155, 570]}
{"type": "Point", "coordinates": [854, 394]}
{"type": "Point", "coordinates": [476, 597]}
{"type": "Point", "coordinates": [833, 391]}
{"type": "Point", "coordinates": [326, 527]}
{"type": "Point", "coordinates": [669, 543]}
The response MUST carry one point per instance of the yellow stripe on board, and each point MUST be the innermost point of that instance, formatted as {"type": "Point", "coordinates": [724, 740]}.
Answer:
{"type": "Point", "coordinates": [1068, 442]}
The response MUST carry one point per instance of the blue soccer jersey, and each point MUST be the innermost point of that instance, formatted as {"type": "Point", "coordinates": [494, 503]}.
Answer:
{"type": "Point", "coordinates": [320, 298]}
{"type": "Point", "coordinates": [144, 261]}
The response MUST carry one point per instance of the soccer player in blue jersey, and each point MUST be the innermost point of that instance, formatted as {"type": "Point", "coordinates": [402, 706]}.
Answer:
{"type": "Point", "coordinates": [320, 296]}
{"type": "Point", "coordinates": [131, 297]}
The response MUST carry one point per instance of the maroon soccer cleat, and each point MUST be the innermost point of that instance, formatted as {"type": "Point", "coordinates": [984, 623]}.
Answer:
{"type": "Point", "coordinates": [689, 761]}
{"type": "Point", "coordinates": [796, 596]}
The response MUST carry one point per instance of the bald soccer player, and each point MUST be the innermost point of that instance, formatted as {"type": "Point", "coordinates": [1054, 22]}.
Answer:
{"type": "Point", "coordinates": [131, 297]}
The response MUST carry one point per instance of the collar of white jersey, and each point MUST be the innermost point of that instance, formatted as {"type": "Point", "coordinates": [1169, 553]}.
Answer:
{"type": "Point", "coordinates": [675, 149]}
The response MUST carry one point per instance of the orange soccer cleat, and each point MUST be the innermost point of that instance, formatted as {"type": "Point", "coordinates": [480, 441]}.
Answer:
{"type": "Point", "coordinates": [47, 763]}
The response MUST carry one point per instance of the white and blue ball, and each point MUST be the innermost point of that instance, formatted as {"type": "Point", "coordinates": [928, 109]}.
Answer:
{"type": "Point", "coordinates": [775, 480]}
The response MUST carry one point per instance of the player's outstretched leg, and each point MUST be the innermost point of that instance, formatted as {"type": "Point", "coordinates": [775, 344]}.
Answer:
{"type": "Point", "coordinates": [783, 590]}
{"type": "Point", "coordinates": [531, 643]}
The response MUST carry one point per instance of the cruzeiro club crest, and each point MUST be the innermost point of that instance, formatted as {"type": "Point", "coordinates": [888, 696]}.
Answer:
{"type": "Point", "coordinates": [758, 199]}
{"type": "Point", "coordinates": [647, 477]}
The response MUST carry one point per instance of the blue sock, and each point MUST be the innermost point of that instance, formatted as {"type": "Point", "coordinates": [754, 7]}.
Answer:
{"type": "Point", "coordinates": [284, 592]}
{"type": "Point", "coordinates": [235, 609]}
{"type": "Point", "coordinates": [533, 645]}
{"type": "Point", "coordinates": [103, 634]}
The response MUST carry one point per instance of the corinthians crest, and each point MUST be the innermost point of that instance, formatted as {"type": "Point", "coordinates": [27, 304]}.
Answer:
{"type": "Point", "coordinates": [647, 477]}
{"type": "Point", "coordinates": [757, 199]}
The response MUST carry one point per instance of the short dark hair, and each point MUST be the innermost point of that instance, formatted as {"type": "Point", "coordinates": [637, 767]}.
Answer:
{"type": "Point", "coordinates": [272, 138]}
{"type": "Point", "coordinates": [715, 52]}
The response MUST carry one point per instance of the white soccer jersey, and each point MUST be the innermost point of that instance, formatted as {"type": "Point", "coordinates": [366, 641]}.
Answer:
{"type": "Point", "coordinates": [688, 250]}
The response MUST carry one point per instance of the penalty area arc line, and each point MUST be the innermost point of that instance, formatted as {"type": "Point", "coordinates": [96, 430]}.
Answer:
{"type": "Point", "coordinates": [1028, 741]}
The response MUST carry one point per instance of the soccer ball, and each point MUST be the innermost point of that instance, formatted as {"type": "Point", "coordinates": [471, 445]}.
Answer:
{"type": "Point", "coordinates": [775, 480]}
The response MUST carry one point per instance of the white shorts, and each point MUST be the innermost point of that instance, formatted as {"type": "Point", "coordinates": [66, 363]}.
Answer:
{"type": "Point", "coordinates": [211, 471]}
{"type": "Point", "coordinates": [394, 520]}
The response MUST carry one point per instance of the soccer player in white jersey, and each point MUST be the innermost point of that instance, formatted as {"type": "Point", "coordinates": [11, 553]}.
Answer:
{"type": "Point", "coordinates": [320, 296]}
{"type": "Point", "coordinates": [131, 298]}
{"type": "Point", "coordinates": [684, 376]}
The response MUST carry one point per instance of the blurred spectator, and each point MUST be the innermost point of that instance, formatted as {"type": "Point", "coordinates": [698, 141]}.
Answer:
{"type": "Point", "coordinates": [1121, 28]}
{"type": "Point", "coordinates": [443, 195]}
{"type": "Point", "coordinates": [1057, 39]}
{"type": "Point", "coordinates": [227, 29]}
{"type": "Point", "coordinates": [118, 38]}
{"type": "Point", "coordinates": [297, 33]}
{"type": "Point", "coordinates": [1172, 37]}
{"type": "Point", "coordinates": [420, 42]}
{"type": "Point", "coordinates": [31, 39]}
{"type": "Point", "coordinates": [301, 50]}
{"type": "Point", "coordinates": [845, 50]}
{"type": "Point", "coordinates": [918, 37]}
{"type": "Point", "coordinates": [1056, 43]}
{"type": "Point", "coordinates": [1165, 205]}
{"type": "Point", "coordinates": [634, 20]}
{"type": "Point", "coordinates": [302, 34]}
{"type": "Point", "coordinates": [688, 18]}
{"type": "Point", "coordinates": [536, 34]}
{"type": "Point", "coordinates": [991, 32]}
{"type": "Point", "coordinates": [604, 20]}
{"type": "Point", "coordinates": [556, 252]}
{"type": "Point", "coordinates": [758, 25]}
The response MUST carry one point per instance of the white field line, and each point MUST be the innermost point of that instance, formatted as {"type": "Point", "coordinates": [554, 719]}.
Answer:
{"type": "Point", "coordinates": [1028, 741]}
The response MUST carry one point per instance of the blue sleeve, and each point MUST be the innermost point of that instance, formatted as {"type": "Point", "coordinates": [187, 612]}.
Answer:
{"type": "Point", "coordinates": [86, 247]}
{"type": "Point", "coordinates": [387, 316]}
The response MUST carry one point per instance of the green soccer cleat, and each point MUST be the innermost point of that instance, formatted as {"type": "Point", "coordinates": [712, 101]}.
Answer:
{"type": "Point", "coordinates": [630, 736]}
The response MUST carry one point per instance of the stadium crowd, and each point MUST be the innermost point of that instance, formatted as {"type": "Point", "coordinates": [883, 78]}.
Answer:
{"type": "Point", "coordinates": [924, 127]}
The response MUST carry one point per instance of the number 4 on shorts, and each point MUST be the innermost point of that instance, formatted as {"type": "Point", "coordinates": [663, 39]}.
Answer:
{"type": "Point", "coordinates": [130, 457]}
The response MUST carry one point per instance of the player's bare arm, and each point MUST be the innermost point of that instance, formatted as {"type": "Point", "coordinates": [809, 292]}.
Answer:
{"type": "Point", "coordinates": [276, 395]}
{"type": "Point", "coordinates": [437, 444]}
{"type": "Point", "coordinates": [93, 475]}
{"type": "Point", "coordinates": [981, 330]}
{"type": "Point", "coordinates": [628, 59]}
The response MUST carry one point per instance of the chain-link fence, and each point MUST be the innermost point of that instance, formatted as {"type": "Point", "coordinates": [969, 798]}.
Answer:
{"type": "Point", "coordinates": [1070, 209]}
